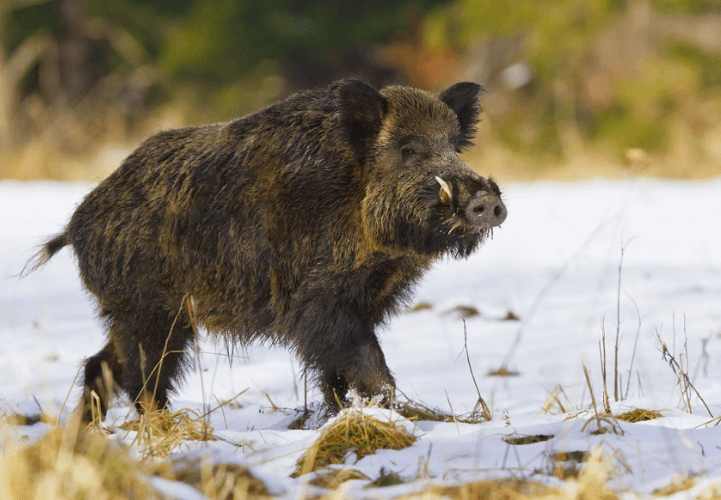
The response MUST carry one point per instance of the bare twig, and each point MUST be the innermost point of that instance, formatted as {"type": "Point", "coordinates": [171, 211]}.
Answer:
{"type": "Point", "coordinates": [455, 421]}
{"type": "Point", "coordinates": [221, 404]}
{"type": "Point", "coordinates": [602, 349]}
{"type": "Point", "coordinates": [635, 345]}
{"type": "Point", "coordinates": [618, 327]}
{"type": "Point", "coordinates": [683, 380]}
{"type": "Point", "coordinates": [480, 406]}
{"type": "Point", "coordinates": [554, 398]}
{"type": "Point", "coordinates": [605, 417]}
{"type": "Point", "coordinates": [67, 396]}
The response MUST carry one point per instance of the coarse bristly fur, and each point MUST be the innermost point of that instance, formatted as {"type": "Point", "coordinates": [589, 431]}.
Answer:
{"type": "Point", "coordinates": [306, 223]}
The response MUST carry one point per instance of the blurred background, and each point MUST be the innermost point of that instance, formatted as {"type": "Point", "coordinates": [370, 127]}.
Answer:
{"type": "Point", "coordinates": [575, 88]}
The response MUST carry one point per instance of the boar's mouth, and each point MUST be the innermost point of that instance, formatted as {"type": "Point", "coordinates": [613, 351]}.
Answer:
{"type": "Point", "coordinates": [478, 212]}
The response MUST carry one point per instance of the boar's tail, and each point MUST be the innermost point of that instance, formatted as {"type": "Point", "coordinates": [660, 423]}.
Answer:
{"type": "Point", "coordinates": [45, 254]}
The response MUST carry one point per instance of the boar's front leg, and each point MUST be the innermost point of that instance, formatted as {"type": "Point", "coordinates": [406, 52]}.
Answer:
{"type": "Point", "coordinates": [343, 348]}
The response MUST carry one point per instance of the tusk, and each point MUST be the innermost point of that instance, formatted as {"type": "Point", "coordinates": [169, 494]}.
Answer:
{"type": "Point", "coordinates": [445, 192]}
{"type": "Point", "coordinates": [456, 226]}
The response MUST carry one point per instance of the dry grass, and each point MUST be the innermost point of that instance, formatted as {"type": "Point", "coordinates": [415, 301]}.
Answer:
{"type": "Point", "coordinates": [464, 311]}
{"type": "Point", "coordinates": [511, 489]}
{"type": "Point", "coordinates": [557, 402]}
{"type": "Point", "coordinates": [503, 372]}
{"type": "Point", "coordinates": [353, 432]}
{"type": "Point", "coordinates": [421, 306]}
{"type": "Point", "coordinates": [215, 481]}
{"type": "Point", "coordinates": [70, 463]}
{"type": "Point", "coordinates": [14, 418]}
{"type": "Point", "coordinates": [639, 415]}
{"type": "Point", "coordinates": [413, 410]}
{"type": "Point", "coordinates": [333, 478]}
{"type": "Point", "coordinates": [567, 464]}
{"type": "Point", "coordinates": [511, 316]}
{"type": "Point", "coordinates": [519, 439]}
{"type": "Point", "coordinates": [80, 462]}
{"type": "Point", "coordinates": [600, 418]}
{"type": "Point", "coordinates": [676, 485]}
{"type": "Point", "coordinates": [680, 369]}
{"type": "Point", "coordinates": [159, 432]}
{"type": "Point", "coordinates": [591, 482]}
{"type": "Point", "coordinates": [386, 478]}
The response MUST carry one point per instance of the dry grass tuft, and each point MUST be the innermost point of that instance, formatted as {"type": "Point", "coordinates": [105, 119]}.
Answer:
{"type": "Point", "coordinates": [159, 432]}
{"type": "Point", "coordinates": [639, 415]}
{"type": "Point", "coordinates": [518, 439]}
{"type": "Point", "coordinates": [413, 410]}
{"type": "Point", "coordinates": [216, 481]}
{"type": "Point", "coordinates": [566, 456]}
{"type": "Point", "coordinates": [599, 418]}
{"type": "Point", "coordinates": [511, 316]}
{"type": "Point", "coordinates": [554, 403]}
{"type": "Point", "coordinates": [333, 478]}
{"type": "Point", "coordinates": [386, 478]}
{"type": "Point", "coordinates": [70, 463]}
{"type": "Point", "coordinates": [14, 418]}
{"type": "Point", "coordinates": [353, 432]}
{"type": "Point", "coordinates": [421, 306]}
{"type": "Point", "coordinates": [567, 464]}
{"type": "Point", "coordinates": [590, 482]}
{"type": "Point", "coordinates": [503, 372]}
{"type": "Point", "coordinates": [80, 462]}
{"type": "Point", "coordinates": [676, 485]}
{"type": "Point", "coordinates": [511, 489]}
{"type": "Point", "coordinates": [465, 311]}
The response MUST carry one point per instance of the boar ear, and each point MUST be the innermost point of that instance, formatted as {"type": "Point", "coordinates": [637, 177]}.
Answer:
{"type": "Point", "coordinates": [362, 109]}
{"type": "Point", "coordinates": [462, 98]}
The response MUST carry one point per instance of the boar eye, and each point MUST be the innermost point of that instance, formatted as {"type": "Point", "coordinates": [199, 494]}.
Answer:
{"type": "Point", "coordinates": [407, 152]}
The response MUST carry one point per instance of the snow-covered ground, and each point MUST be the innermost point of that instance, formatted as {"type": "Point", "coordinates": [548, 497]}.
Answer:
{"type": "Point", "coordinates": [554, 264]}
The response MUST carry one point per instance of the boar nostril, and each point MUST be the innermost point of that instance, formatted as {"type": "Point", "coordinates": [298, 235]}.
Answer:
{"type": "Point", "coordinates": [486, 210]}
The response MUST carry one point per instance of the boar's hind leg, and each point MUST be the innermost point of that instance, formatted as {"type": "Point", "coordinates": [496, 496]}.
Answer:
{"type": "Point", "coordinates": [153, 349]}
{"type": "Point", "coordinates": [101, 373]}
{"type": "Point", "coordinates": [345, 352]}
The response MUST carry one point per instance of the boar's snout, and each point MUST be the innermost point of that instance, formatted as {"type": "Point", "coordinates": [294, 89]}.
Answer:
{"type": "Point", "coordinates": [486, 210]}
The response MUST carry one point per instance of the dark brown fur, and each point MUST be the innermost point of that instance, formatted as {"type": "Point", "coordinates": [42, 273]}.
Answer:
{"type": "Point", "coordinates": [306, 223]}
